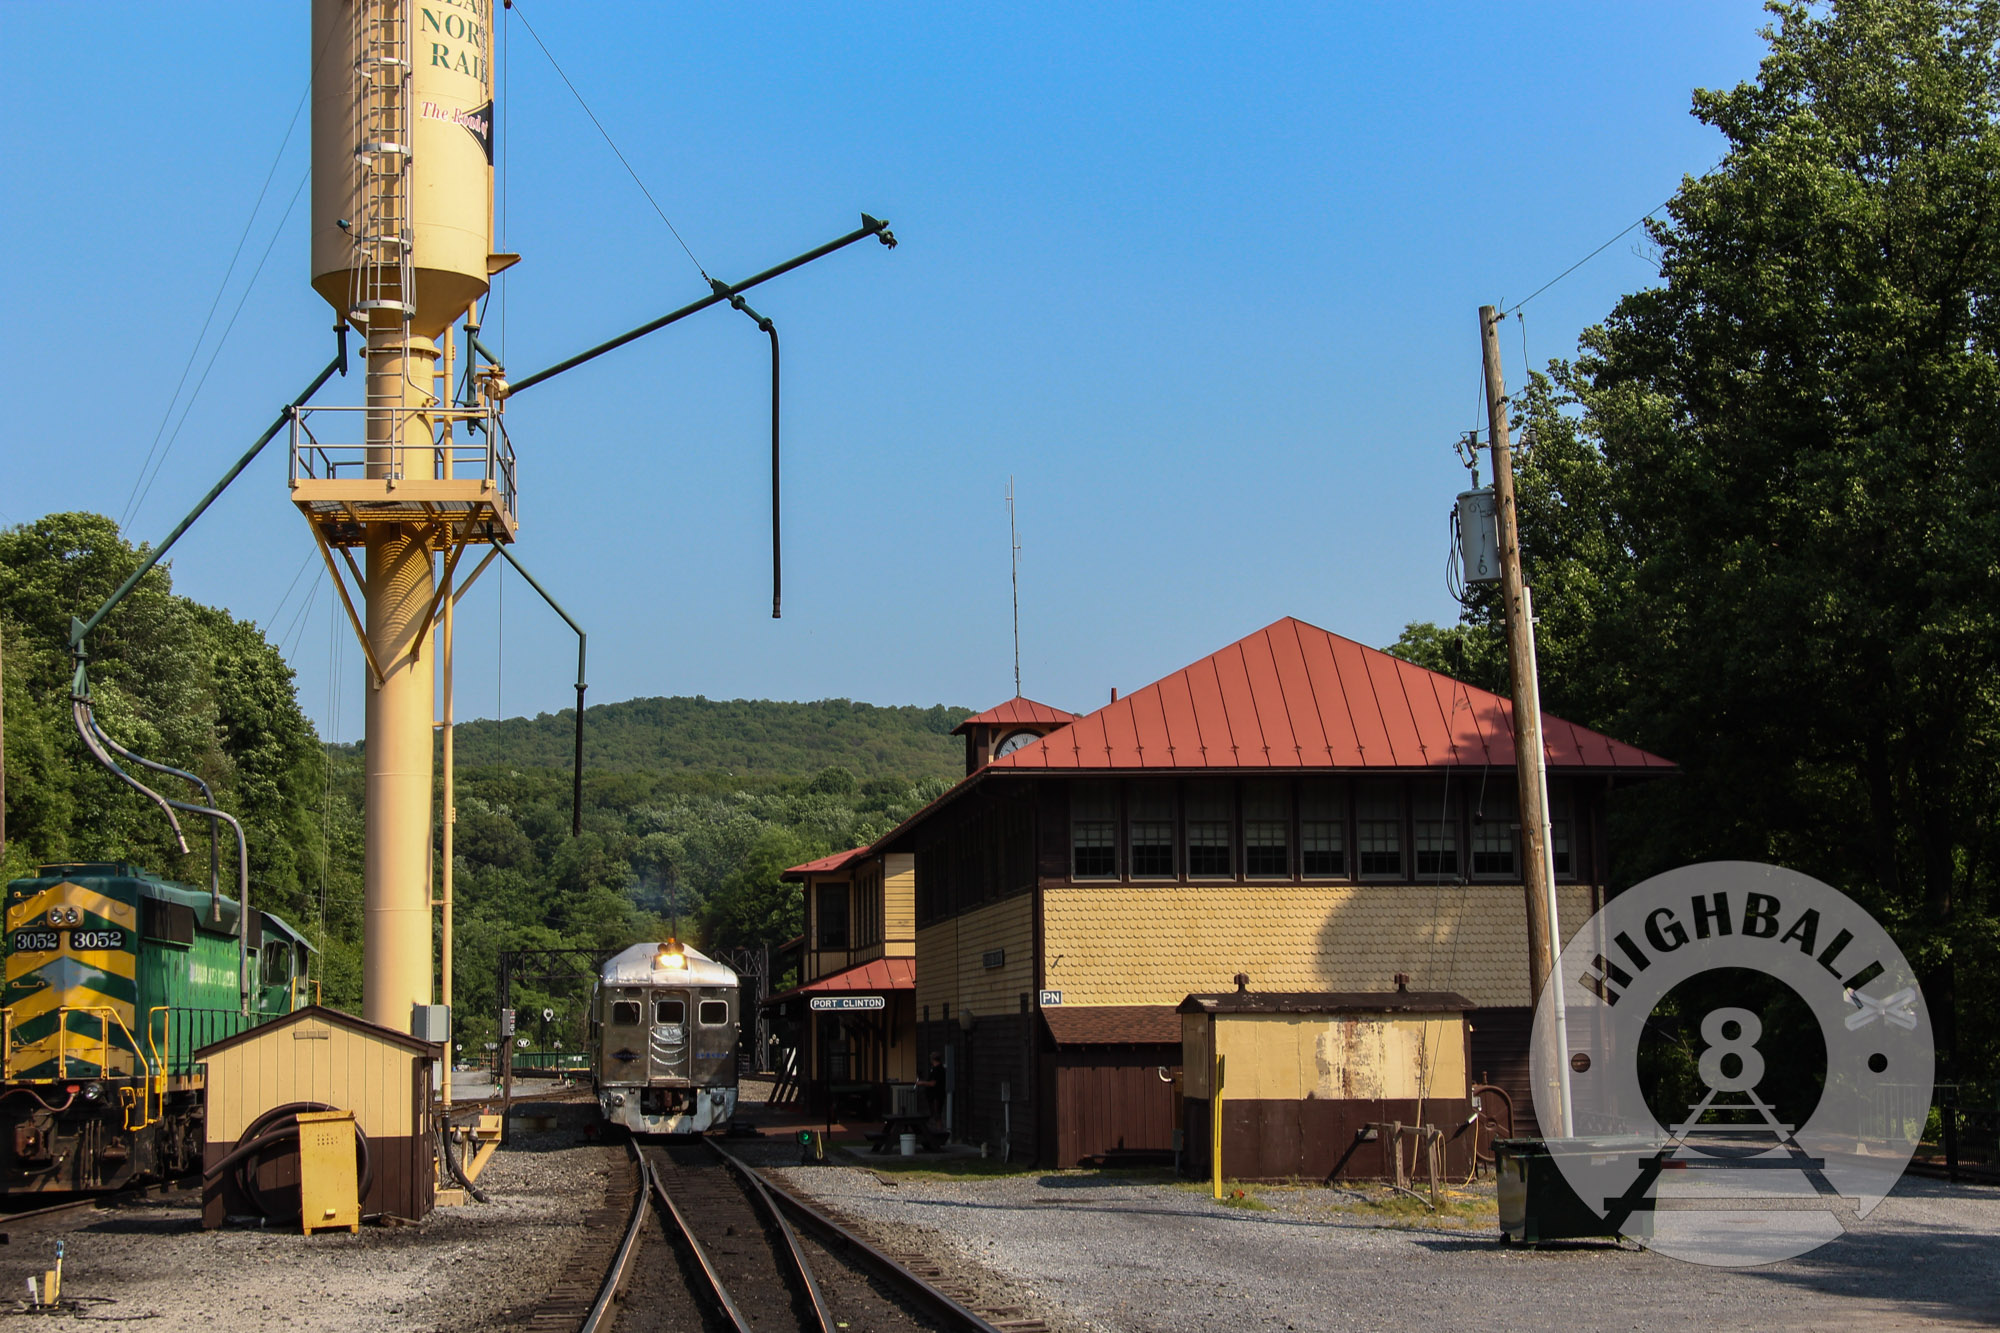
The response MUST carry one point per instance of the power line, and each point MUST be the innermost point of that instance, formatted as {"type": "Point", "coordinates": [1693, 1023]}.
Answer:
{"type": "Point", "coordinates": [607, 139]}
{"type": "Point", "coordinates": [233, 315]}
{"type": "Point", "coordinates": [1613, 241]}
{"type": "Point", "coordinates": [222, 287]}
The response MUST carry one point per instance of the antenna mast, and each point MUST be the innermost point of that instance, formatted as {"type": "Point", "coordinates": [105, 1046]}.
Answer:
{"type": "Point", "coordinates": [1014, 555]}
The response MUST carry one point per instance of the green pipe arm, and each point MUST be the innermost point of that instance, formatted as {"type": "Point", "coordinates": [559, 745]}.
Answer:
{"type": "Point", "coordinates": [869, 227]}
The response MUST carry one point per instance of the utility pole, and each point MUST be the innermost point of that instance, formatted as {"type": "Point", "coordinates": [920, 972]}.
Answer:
{"type": "Point", "coordinates": [1530, 761]}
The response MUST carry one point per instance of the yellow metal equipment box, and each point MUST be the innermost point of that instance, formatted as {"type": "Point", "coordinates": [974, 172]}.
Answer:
{"type": "Point", "coordinates": [329, 1192]}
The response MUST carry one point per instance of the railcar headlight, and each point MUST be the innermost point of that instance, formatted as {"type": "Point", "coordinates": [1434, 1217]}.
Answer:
{"type": "Point", "coordinates": [617, 1099]}
{"type": "Point", "coordinates": [92, 1091]}
{"type": "Point", "coordinates": [672, 957]}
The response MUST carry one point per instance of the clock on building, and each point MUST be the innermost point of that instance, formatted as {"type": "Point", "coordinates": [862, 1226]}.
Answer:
{"type": "Point", "coordinates": [1014, 742]}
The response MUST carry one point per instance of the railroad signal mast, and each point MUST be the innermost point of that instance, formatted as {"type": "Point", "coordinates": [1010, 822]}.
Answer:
{"type": "Point", "coordinates": [402, 248]}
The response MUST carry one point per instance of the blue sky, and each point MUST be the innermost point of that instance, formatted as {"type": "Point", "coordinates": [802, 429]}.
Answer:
{"type": "Point", "coordinates": [1202, 279]}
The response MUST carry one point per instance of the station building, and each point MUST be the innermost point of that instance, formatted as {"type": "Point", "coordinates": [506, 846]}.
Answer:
{"type": "Point", "coordinates": [854, 1010]}
{"type": "Point", "coordinates": [1297, 808]}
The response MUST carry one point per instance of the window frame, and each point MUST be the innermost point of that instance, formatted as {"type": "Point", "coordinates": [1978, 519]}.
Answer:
{"type": "Point", "coordinates": [1130, 793]}
{"type": "Point", "coordinates": [1231, 790]}
{"type": "Point", "coordinates": [1116, 823]}
{"type": "Point", "coordinates": [661, 1002]}
{"type": "Point", "coordinates": [1341, 791]}
{"type": "Point", "coordinates": [1287, 794]}
{"type": "Point", "coordinates": [1400, 822]}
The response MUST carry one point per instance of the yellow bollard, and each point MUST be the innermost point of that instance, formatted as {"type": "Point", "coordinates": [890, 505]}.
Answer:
{"type": "Point", "coordinates": [1215, 1128]}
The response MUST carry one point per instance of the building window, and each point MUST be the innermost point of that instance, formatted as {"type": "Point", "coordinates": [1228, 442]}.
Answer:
{"type": "Point", "coordinates": [1559, 833]}
{"type": "Point", "coordinates": [1093, 830]}
{"type": "Point", "coordinates": [1437, 837]}
{"type": "Point", "coordinates": [1150, 813]}
{"type": "Point", "coordinates": [1323, 829]}
{"type": "Point", "coordinates": [1496, 837]}
{"type": "Point", "coordinates": [1267, 830]}
{"type": "Point", "coordinates": [831, 909]}
{"type": "Point", "coordinates": [1378, 828]}
{"type": "Point", "coordinates": [1209, 844]}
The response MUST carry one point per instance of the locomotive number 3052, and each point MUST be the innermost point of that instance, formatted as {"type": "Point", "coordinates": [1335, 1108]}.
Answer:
{"type": "Point", "coordinates": [41, 941]}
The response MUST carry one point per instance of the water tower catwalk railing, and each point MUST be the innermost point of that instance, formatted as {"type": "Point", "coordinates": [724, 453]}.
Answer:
{"type": "Point", "coordinates": [463, 474]}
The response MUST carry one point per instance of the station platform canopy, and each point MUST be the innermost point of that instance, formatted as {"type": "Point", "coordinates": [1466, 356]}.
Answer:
{"type": "Point", "coordinates": [874, 977]}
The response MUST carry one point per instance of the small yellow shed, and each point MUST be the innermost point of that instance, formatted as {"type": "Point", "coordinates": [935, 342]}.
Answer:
{"type": "Point", "coordinates": [1306, 1073]}
{"type": "Point", "coordinates": [314, 1060]}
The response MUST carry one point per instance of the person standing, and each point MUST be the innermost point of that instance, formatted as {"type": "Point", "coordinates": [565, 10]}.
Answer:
{"type": "Point", "coordinates": [936, 1084]}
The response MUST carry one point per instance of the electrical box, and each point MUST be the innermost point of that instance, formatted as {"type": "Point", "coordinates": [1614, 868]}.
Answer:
{"type": "Point", "coordinates": [430, 1022]}
{"type": "Point", "coordinates": [329, 1193]}
{"type": "Point", "coordinates": [1479, 536]}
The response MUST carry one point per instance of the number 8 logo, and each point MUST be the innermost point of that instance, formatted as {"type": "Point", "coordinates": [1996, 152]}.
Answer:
{"type": "Point", "coordinates": [1750, 1061]}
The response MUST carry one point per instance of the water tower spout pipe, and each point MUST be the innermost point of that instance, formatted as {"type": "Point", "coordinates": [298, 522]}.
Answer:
{"type": "Point", "coordinates": [582, 643]}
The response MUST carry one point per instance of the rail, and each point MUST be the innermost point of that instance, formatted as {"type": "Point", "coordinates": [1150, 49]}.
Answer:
{"type": "Point", "coordinates": [770, 1204]}
{"type": "Point", "coordinates": [600, 1309]}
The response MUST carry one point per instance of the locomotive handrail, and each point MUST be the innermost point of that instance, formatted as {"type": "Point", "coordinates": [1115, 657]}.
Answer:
{"type": "Point", "coordinates": [106, 1016]}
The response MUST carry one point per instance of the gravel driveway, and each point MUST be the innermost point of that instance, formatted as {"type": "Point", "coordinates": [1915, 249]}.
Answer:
{"type": "Point", "coordinates": [1104, 1251]}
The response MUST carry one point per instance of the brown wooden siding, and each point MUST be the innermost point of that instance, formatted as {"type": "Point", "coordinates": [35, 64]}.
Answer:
{"type": "Point", "coordinates": [1109, 1101]}
{"type": "Point", "coordinates": [1317, 1140]}
{"type": "Point", "coordinates": [1500, 1040]}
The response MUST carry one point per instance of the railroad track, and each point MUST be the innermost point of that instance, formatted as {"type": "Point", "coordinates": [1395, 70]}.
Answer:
{"type": "Point", "coordinates": [34, 1217]}
{"type": "Point", "coordinates": [757, 1258]}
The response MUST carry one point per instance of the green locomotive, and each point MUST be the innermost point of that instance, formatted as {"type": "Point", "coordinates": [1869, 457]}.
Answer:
{"type": "Point", "coordinates": [114, 979]}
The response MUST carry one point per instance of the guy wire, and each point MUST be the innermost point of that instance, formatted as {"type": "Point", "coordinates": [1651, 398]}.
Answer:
{"type": "Point", "coordinates": [607, 139]}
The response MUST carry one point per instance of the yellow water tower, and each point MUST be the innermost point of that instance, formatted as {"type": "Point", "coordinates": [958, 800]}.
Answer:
{"type": "Point", "coordinates": [402, 248]}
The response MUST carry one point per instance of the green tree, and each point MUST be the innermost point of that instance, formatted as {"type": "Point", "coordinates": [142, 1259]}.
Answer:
{"type": "Point", "coordinates": [1759, 510]}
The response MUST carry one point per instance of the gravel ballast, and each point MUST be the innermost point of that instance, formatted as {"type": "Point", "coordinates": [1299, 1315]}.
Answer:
{"type": "Point", "coordinates": [1118, 1252]}
{"type": "Point", "coordinates": [463, 1268]}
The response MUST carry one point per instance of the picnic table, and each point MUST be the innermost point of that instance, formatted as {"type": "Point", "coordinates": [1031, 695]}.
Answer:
{"type": "Point", "coordinates": [895, 1126]}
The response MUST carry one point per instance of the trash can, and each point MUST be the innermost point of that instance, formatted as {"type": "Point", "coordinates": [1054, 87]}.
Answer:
{"type": "Point", "coordinates": [909, 1145]}
{"type": "Point", "coordinates": [1536, 1201]}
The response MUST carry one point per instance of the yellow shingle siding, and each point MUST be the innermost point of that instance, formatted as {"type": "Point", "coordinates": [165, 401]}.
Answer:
{"type": "Point", "coordinates": [899, 905]}
{"type": "Point", "coordinates": [951, 965]}
{"type": "Point", "coordinates": [1120, 944]}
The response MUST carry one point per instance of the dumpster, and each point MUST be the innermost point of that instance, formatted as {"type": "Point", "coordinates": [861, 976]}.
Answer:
{"type": "Point", "coordinates": [1537, 1203]}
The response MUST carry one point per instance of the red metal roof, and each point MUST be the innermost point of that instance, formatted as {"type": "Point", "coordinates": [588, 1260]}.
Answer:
{"type": "Point", "coordinates": [826, 864]}
{"type": "Point", "coordinates": [1016, 711]}
{"type": "Point", "coordinates": [881, 974]}
{"type": "Point", "coordinates": [1293, 695]}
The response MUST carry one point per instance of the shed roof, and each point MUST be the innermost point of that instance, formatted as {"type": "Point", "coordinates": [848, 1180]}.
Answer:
{"type": "Point", "coordinates": [1114, 1025]}
{"type": "Point", "coordinates": [1326, 1002]}
{"type": "Point", "coordinates": [324, 1015]}
{"type": "Point", "coordinates": [1017, 711]}
{"type": "Point", "coordinates": [826, 865]}
{"type": "Point", "coordinates": [1293, 696]}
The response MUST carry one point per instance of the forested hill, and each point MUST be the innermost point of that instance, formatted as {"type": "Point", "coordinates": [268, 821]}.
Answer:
{"type": "Point", "coordinates": [739, 737]}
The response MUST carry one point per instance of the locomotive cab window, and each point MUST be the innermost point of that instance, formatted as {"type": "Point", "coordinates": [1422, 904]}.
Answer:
{"type": "Point", "coordinates": [669, 1011]}
{"type": "Point", "coordinates": [625, 1013]}
{"type": "Point", "coordinates": [276, 963]}
{"type": "Point", "coordinates": [714, 1013]}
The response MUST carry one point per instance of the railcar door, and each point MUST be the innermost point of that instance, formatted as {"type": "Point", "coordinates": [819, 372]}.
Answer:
{"type": "Point", "coordinates": [715, 1037]}
{"type": "Point", "coordinates": [625, 1035]}
{"type": "Point", "coordinates": [668, 1043]}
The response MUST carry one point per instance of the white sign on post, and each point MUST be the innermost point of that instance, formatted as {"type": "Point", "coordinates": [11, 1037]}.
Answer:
{"type": "Point", "coordinates": [824, 1003]}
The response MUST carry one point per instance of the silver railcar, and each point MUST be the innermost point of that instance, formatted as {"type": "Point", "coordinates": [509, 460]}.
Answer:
{"type": "Point", "coordinates": [664, 1023]}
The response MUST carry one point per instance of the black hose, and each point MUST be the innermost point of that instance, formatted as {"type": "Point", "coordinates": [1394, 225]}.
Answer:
{"type": "Point", "coordinates": [266, 1131]}
{"type": "Point", "coordinates": [457, 1172]}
